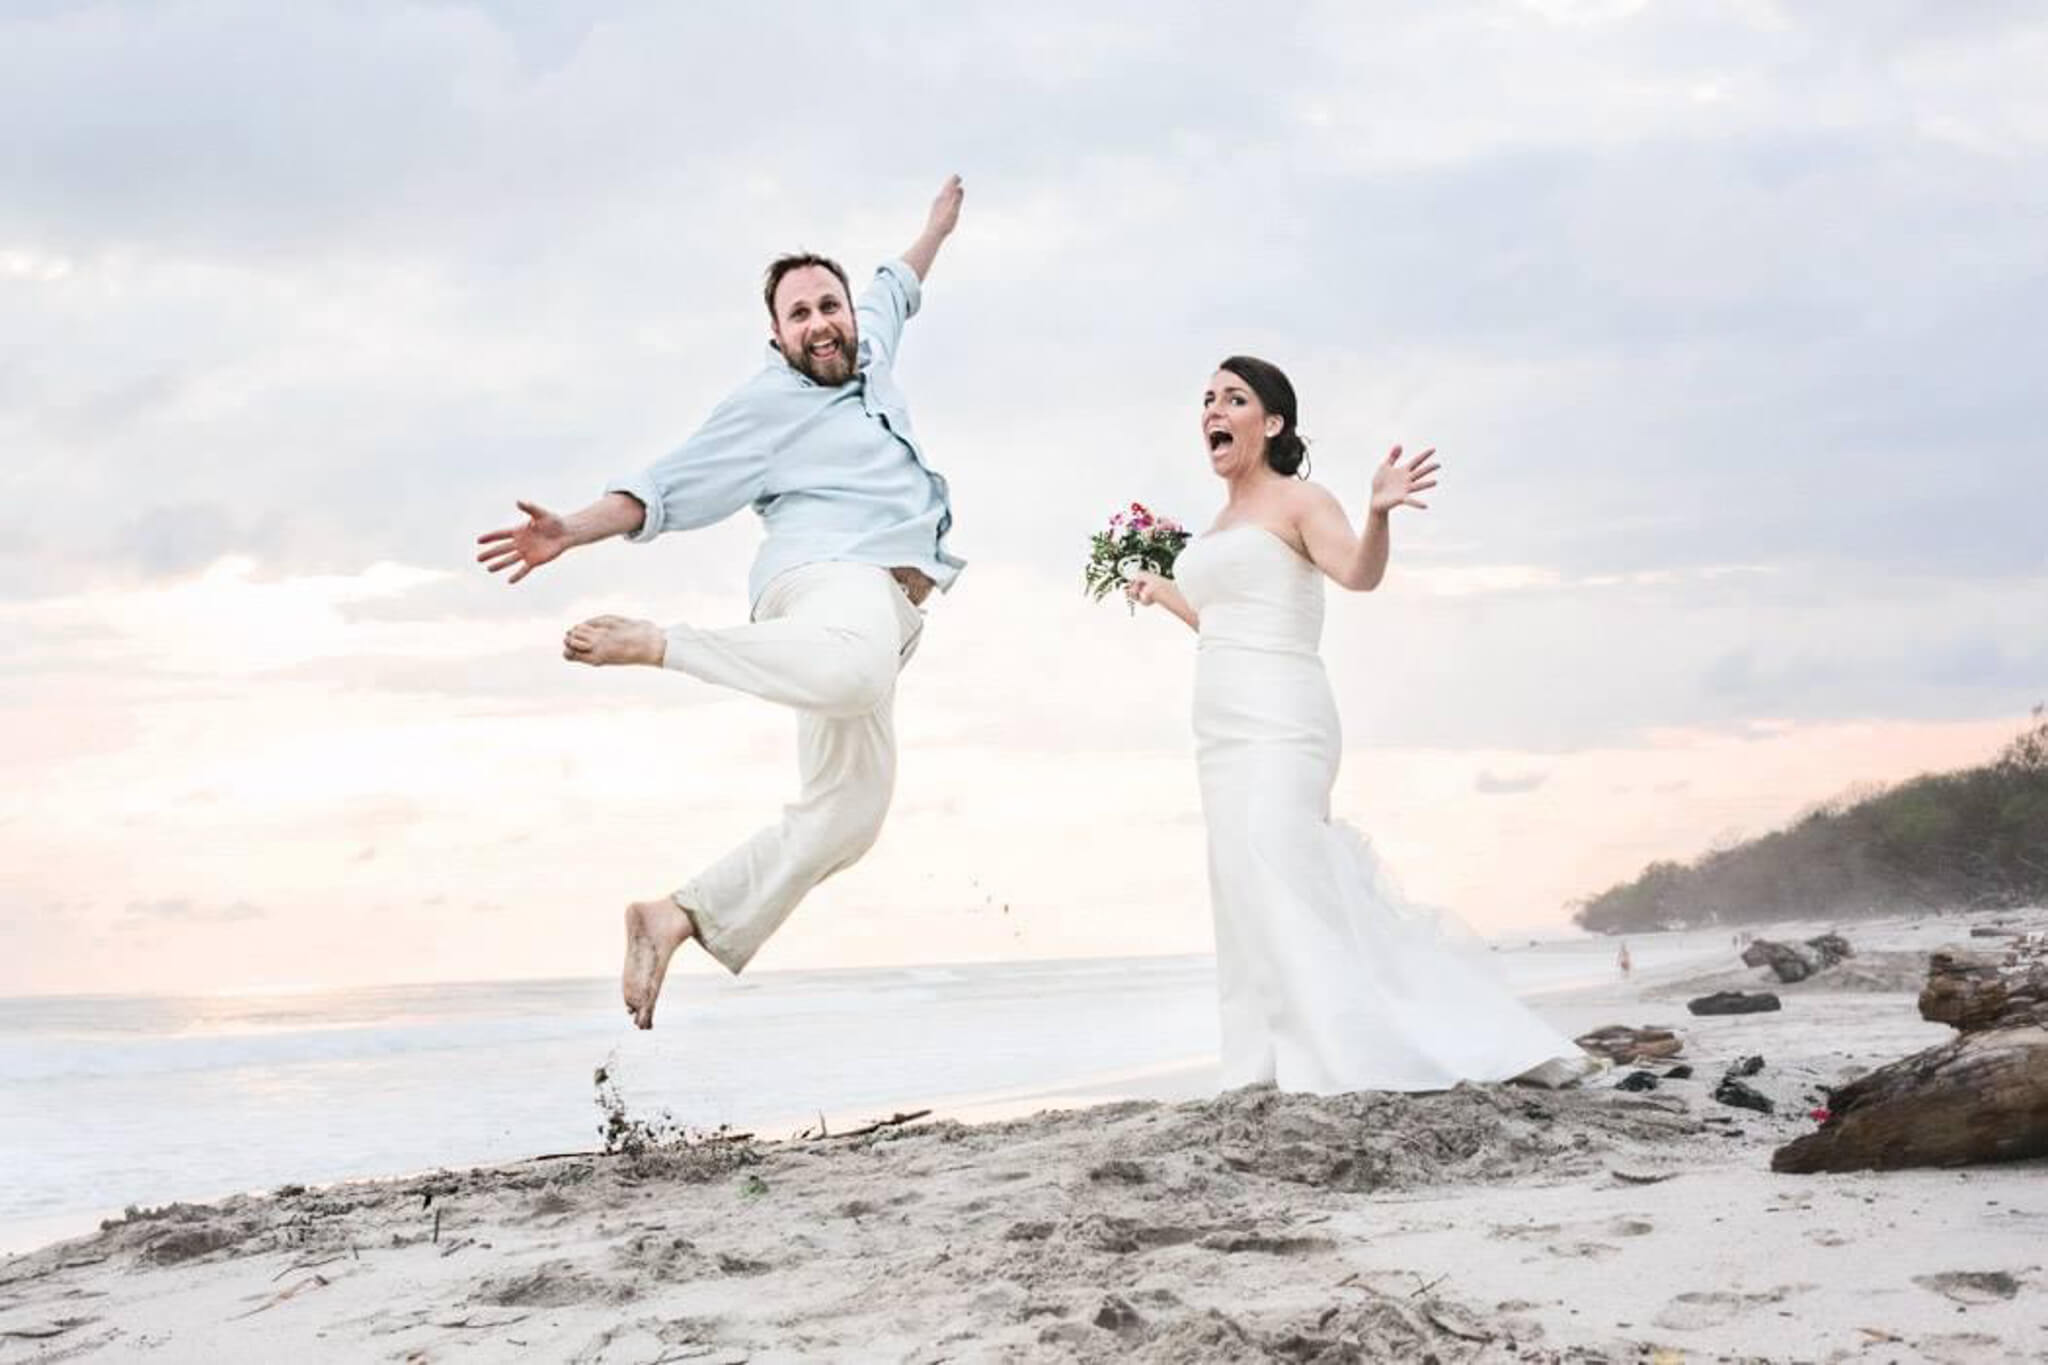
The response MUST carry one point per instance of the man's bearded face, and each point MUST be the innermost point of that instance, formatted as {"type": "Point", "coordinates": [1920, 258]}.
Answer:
{"type": "Point", "coordinates": [815, 327]}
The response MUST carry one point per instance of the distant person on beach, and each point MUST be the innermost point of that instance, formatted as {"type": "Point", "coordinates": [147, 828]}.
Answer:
{"type": "Point", "coordinates": [819, 444]}
{"type": "Point", "coordinates": [1623, 961]}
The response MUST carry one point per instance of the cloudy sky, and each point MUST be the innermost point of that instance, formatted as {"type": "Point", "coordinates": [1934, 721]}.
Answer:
{"type": "Point", "coordinates": [1719, 314]}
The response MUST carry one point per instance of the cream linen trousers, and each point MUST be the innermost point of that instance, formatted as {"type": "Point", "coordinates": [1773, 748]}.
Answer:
{"type": "Point", "coordinates": [828, 641]}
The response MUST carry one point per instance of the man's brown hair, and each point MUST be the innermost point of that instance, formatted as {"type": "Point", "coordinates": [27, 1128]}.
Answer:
{"type": "Point", "coordinates": [798, 260]}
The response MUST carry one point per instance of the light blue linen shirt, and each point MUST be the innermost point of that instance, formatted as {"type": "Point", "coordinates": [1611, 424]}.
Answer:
{"type": "Point", "coordinates": [835, 473]}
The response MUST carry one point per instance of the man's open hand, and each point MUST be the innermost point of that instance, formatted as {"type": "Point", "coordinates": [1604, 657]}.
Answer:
{"type": "Point", "coordinates": [540, 538]}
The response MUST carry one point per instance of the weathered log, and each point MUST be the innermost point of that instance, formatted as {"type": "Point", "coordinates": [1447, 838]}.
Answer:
{"type": "Point", "coordinates": [1797, 961]}
{"type": "Point", "coordinates": [1791, 961]}
{"type": "Point", "coordinates": [1966, 990]}
{"type": "Point", "coordinates": [1979, 1097]}
{"type": "Point", "coordinates": [1977, 991]}
{"type": "Point", "coordinates": [1620, 1043]}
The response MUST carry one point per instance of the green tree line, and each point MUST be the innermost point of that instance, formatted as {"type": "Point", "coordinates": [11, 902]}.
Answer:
{"type": "Point", "coordinates": [1974, 838]}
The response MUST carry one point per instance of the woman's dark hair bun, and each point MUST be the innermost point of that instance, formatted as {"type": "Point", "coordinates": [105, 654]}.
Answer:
{"type": "Point", "coordinates": [1288, 453]}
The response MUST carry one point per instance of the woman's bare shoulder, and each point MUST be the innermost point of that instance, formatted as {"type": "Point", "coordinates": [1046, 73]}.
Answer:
{"type": "Point", "coordinates": [1306, 497]}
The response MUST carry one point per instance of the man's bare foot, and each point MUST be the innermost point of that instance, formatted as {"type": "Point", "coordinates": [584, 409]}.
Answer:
{"type": "Point", "coordinates": [614, 640]}
{"type": "Point", "coordinates": [654, 930]}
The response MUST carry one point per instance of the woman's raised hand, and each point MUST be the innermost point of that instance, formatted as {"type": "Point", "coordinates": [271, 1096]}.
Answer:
{"type": "Point", "coordinates": [1395, 484]}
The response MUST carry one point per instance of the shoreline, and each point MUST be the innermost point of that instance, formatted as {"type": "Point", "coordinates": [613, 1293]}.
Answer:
{"type": "Point", "coordinates": [1185, 1076]}
{"type": "Point", "coordinates": [1181, 1078]}
{"type": "Point", "coordinates": [1489, 1223]}
{"type": "Point", "coordinates": [238, 1050]}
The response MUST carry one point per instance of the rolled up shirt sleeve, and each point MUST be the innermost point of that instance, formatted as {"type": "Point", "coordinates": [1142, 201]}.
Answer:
{"type": "Point", "coordinates": [722, 468]}
{"type": "Point", "coordinates": [890, 300]}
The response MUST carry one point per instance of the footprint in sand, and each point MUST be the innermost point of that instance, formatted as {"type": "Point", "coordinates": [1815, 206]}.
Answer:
{"type": "Point", "coordinates": [1691, 1312]}
{"type": "Point", "coordinates": [1522, 1232]}
{"type": "Point", "coordinates": [1959, 1348]}
{"type": "Point", "coordinates": [549, 1205]}
{"type": "Point", "coordinates": [553, 1284]}
{"type": "Point", "coordinates": [1971, 1286]}
{"type": "Point", "coordinates": [1586, 1251]}
{"type": "Point", "coordinates": [1271, 1244]}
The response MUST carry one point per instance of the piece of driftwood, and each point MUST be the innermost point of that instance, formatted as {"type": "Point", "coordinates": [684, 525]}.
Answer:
{"type": "Point", "coordinates": [893, 1121]}
{"type": "Point", "coordinates": [1620, 1043]}
{"type": "Point", "coordinates": [1977, 1098]}
{"type": "Point", "coordinates": [1797, 961]}
{"type": "Point", "coordinates": [821, 1133]}
{"type": "Point", "coordinates": [1980, 1097]}
{"type": "Point", "coordinates": [1975, 991]}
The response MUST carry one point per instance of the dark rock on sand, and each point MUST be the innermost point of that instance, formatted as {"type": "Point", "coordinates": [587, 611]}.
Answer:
{"type": "Point", "coordinates": [1732, 1091]}
{"type": "Point", "coordinates": [1735, 1002]}
{"type": "Point", "coordinates": [1637, 1080]}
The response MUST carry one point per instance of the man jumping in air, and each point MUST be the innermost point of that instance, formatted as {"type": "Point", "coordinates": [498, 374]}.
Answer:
{"type": "Point", "coordinates": [819, 444]}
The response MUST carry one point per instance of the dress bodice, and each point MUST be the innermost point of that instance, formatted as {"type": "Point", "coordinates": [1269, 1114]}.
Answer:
{"type": "Point", "coordinates": [1252, 591]}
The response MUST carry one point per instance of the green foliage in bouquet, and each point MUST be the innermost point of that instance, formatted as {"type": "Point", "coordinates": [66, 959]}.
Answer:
{"type": "Point", "coordinates": [1135, 542]}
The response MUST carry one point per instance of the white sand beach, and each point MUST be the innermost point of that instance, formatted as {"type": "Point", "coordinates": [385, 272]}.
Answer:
{"type": "Point", "coordinates": [1483, 1224]}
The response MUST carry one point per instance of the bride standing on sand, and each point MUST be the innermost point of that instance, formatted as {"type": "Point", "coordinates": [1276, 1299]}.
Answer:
{"type": "Point", "coordinates": [1328, 983]}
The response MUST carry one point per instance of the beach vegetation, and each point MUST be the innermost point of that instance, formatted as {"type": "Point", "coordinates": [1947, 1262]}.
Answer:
{"type": "Point", "coordinates": [1972, 839]}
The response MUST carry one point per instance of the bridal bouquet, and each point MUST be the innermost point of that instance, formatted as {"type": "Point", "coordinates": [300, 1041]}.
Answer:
{"type": "Point", "coordinates": [1136, 541]}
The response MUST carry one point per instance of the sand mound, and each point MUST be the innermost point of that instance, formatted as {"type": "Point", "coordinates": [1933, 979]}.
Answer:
{"type": "Point", "coordinates": [1367, 1142]}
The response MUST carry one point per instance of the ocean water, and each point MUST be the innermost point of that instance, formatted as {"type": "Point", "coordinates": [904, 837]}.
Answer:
{"type": "Point", "coordinates": [107, 1101]}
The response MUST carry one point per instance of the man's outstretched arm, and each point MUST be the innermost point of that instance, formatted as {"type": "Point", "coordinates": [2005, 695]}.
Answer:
{"type": "Point", "coordinates": [938, 226]}
{"type": "Point", "coordinates": [544, 536]}
{"type": "Point", "coordinates": [715, 473]}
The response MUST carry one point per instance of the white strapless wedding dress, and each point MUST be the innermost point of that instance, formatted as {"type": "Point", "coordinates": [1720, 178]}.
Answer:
{"type": "Point", "coordinates": [1329, 982]}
